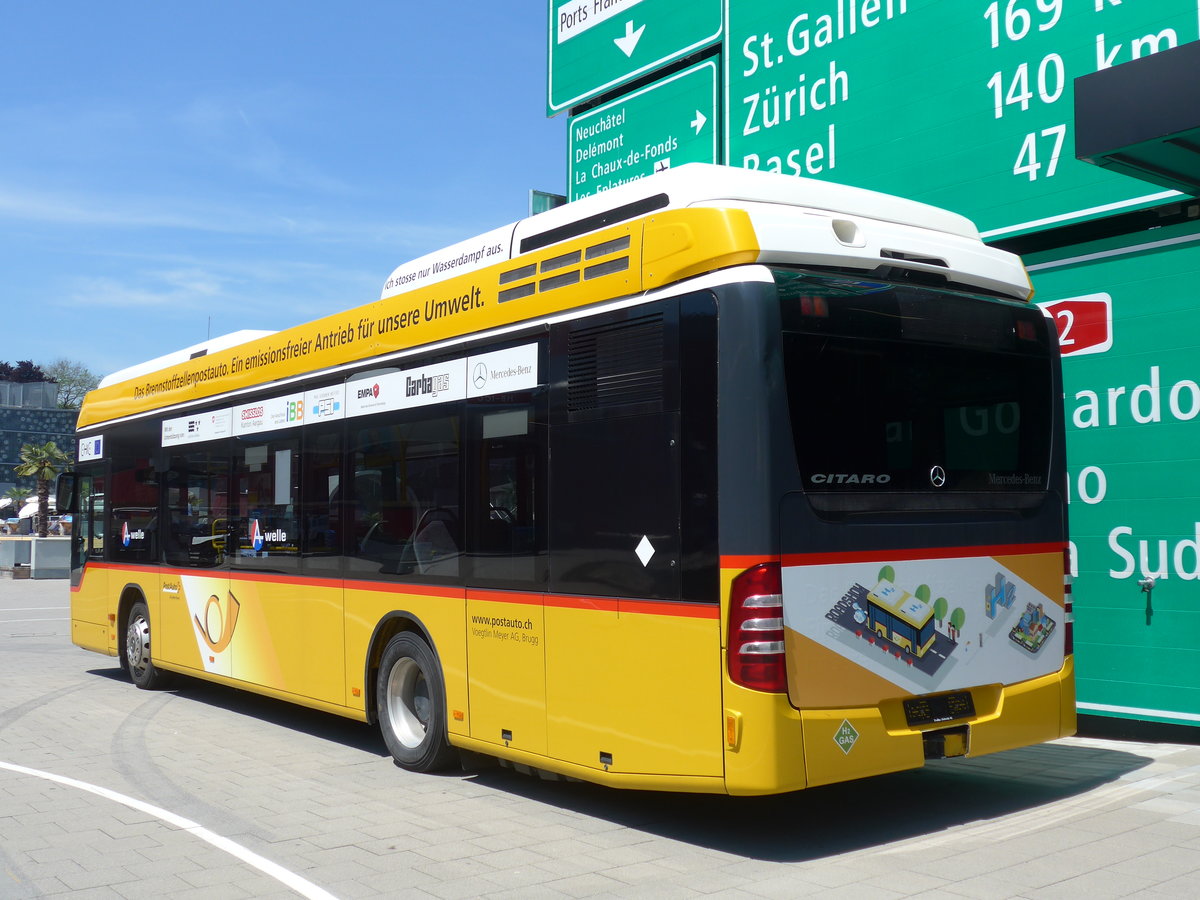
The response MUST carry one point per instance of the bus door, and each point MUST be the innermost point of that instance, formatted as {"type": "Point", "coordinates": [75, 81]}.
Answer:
{"type": "Point", "coordinates": [505, 531]}
{"type": "Point", "coordinates": [90, 601]}
{"type": "Point", "coordinates": [290, 626]}
{"type": "Point", "coordinates": [198, 611]}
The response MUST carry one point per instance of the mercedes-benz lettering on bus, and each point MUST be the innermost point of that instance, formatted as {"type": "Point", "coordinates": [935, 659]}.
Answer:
{"type": "Point", "coordinates": [718, 481]}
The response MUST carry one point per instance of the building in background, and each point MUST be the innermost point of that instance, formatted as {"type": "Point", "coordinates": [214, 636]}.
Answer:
{"type": "Point", "coordinates": [29, 414]}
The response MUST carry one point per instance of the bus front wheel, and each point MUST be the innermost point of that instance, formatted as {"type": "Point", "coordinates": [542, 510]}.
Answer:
{"type": "Point", "coordinates": [138, 664]}
{"type": "Point", "coordinates": [411, 706]}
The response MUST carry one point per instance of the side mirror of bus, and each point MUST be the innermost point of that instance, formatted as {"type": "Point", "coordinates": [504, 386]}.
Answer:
{"type": "Point", "coordinates": [66, 493]}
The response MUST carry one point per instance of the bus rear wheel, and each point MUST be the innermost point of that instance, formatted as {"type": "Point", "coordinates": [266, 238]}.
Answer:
{"type": "Point", "coordinates": [138, 664]}
{"type": "Point", "coordinates": [410, 700]}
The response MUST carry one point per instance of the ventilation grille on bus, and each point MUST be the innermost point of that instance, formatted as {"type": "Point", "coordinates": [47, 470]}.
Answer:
{"type": "Point", "coordinates": [567, 269]}
{"type": "Point", "coordinates": [615, 364]}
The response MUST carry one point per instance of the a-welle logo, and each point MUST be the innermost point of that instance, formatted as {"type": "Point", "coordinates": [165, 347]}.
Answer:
{"type": "Point", "coordinates": [220, 619]}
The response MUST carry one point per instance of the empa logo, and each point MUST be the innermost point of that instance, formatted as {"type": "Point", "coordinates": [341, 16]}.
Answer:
{"type": "Point", "coordinates": [256, 535]}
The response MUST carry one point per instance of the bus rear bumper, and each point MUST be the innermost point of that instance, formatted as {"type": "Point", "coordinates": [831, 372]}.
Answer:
{"type": "Point", "coordinates": [782, 749]}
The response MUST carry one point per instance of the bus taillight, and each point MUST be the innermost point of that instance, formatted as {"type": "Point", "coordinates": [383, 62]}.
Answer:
{"type": "Point", "coordinates": [1068, 604]}
{"type": "Point", "coordinates": [756, 646]}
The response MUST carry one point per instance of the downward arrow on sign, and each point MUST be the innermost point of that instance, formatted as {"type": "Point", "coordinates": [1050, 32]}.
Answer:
{"type": "Point", "coordinates": [630, 41]}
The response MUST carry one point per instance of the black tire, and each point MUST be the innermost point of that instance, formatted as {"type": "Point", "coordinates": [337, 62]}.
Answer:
{"type": "Point", "coordinates": [136, 657]}
{"type": "Point", "coordinates": [410, 700]}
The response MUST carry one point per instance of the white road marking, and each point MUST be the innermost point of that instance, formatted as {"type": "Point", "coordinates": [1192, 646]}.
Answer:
{"type": "Point", "coordinates": [298, 884]}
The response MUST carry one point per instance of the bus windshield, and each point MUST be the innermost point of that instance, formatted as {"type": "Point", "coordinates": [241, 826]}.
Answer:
{"type": "Point", "coordinates": [902, 389]}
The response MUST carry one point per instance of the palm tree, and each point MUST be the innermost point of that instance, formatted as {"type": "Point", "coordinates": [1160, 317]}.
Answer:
{"type": "Point", "coordinates": [42, 463]}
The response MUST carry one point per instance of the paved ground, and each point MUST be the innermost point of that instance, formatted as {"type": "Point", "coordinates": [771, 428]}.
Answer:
{"type": "Point", "coordinates": [209, 793]}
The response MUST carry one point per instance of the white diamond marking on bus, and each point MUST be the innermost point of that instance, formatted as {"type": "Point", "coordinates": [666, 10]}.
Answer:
{"type": "Point", "coordinates": [644, 550]}
{"type": "Point", "coordinates": [845, 736]}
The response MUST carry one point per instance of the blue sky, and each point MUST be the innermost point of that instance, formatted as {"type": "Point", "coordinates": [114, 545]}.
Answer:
{"type": "Point", "coordinates": [259, 162]}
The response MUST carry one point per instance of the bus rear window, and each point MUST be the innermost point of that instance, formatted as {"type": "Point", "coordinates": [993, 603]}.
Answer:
{"type": "Point", "coordinates": [906, 389]}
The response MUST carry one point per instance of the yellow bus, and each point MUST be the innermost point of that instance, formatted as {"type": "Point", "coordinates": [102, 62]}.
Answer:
{"type": "Point", "coordinates": [600, 494]}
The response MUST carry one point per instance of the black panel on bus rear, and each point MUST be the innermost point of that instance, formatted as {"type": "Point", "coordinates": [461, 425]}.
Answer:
{"type": "Point", "coordinates": [633, 453]}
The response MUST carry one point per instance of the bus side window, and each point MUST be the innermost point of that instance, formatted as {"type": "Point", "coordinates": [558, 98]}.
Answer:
{"type": "Point", "coordinates": [265, 535]}
{"type": "Point", "coordinates": [506, 535]}
{"type": "Point", "coordinates": [321, 500]}
{"type": "Point", "coordinates": [133, 507]}
{"type": "Point", "coordinates": [404, 497]}
{"type": "Point", "coordinates": [197, 510]}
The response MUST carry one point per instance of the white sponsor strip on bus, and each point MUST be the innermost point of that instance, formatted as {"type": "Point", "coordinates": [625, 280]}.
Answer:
{"type": "Point", "coordinates": [437, 383]}
{"type": "Point", "coordinates": [514, 369]}
{"type": "Point", "coordinates": [197, 427]}
{"type": "Point", "coordinates": [268, 415]}
{"type": "Point", "coordinates": [325, 404]}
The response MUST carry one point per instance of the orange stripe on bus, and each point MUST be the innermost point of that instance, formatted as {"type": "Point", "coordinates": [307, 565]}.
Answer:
{"type": "Point", "coordinates": [867, 556]}
{"type": "Point", "coordinates": [681, 608]}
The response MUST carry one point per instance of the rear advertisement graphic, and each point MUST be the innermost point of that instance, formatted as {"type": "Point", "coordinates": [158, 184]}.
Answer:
{"type": "Point", "coordinates": [859, 633]}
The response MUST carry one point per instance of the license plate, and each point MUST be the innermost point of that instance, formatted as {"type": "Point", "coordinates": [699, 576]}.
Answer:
{"type": "Point", "coordinates": [939, 708]}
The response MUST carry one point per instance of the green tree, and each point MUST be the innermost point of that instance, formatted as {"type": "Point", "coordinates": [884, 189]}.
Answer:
{"type": "Point", "coordinates": [42, 463]}
{"type": "Point", "coordinates": [923, 593]}
{"type": "Point", "coordinates": [957, 618]}
{"type": "Point", "coordinates": [940, 607]}
{"type": "Point", "coordinates": [74, 381]}
{"type": "Point", "coordinates": [24, 371]}
{"type": "Point", "coordinates": [887, 573]}
{"type": "Point", "coordinates": [17, 495]}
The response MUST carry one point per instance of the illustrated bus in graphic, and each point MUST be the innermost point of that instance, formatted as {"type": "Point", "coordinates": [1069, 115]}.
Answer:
{"type": "Point", "coordinates": [901, 618]}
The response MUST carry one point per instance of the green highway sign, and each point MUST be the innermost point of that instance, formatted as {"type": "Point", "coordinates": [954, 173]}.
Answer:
{"type": "Point", "coordinates": [668, 123]}
{"type": "Point", "coordinates": [965, 105]}
{"type": "Point", "coordinates": [596, 45]}
{"type": "Point", "coordinates": [1128, 319]}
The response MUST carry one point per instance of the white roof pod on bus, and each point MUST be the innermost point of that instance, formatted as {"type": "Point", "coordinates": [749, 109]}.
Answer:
{"type": "Point", "coordinates": [212, 345]}
{"type": "Point", "coordinates": [797, 221]}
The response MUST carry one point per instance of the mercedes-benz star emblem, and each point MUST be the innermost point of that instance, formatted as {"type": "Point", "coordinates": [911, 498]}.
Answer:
{"type": "Point", "coordinates": [937, 477]}
{"type": "Point", "coordinates": [480, 376]}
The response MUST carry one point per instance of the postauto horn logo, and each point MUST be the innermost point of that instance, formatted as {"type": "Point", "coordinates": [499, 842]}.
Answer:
{"type": "Point", "coordinates": [219, 621]}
